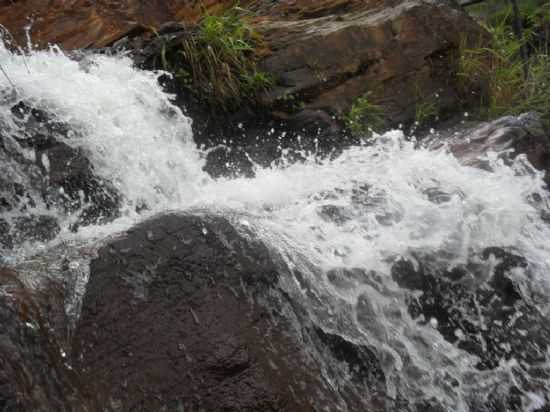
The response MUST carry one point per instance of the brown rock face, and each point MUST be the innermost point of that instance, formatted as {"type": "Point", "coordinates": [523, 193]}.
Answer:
{"type": "Point", "coordinates": [402, 52]}
{"type": "Point", "coordinates": [323, 54]}
{"type": "Point", "coordinates": [83, 23]}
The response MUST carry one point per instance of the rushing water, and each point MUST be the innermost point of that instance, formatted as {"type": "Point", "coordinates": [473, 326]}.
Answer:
{"type": "Point", "coordinates": [362, 211]}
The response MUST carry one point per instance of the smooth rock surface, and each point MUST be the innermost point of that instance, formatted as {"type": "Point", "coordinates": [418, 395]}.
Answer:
{"type": "Point", "coordinates": [183, 313]}
{"type": "Point", "coordinates": [34, 373]}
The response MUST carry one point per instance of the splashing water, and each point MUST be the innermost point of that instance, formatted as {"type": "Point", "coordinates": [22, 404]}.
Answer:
{"type": "Point", "coordinates": [339, 224]}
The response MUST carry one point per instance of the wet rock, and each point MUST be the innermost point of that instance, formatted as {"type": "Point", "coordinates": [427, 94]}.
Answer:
{"type": "Point", "coordinates": [34, 228]}
{"type": "Point", "coordinates": [41, 172]}
{"type": "Point", "coordinates": [183, 312]}
{"type": "Point", "coordinates": [229, 162]}
{"type": "Point", "coordinates": [6, 240]}
{"type": "Point", "coordinates": [480, 307]}
{"type": "Point", "coordinates": [328, 61]}
{"type": "Point", "coordinates": [508, 137]}
{"type": "Point", "coordinates": [336, 214]}
{"type": "Point", "coordinates": [34, 373]}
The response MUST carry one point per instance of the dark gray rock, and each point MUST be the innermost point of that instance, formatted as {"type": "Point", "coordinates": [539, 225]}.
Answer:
{"type": "Point", "coordinates": [40, 172]}
{"type": "Point", "coordinates": [481, 308]}
{"type": "Point", "coordinates": [183, 312]}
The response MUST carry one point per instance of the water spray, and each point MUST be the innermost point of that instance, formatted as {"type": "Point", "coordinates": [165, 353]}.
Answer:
{"type": "Point", "coordinates": [6, 76]}
{"type": "Point", "coordinates": [6, 33]}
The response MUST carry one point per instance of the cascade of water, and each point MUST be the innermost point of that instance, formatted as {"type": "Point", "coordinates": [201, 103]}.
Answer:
{"type": "Point", "coordinates": [341, 225]}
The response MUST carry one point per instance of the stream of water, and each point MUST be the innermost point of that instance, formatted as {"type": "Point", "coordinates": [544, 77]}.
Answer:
{"type": "Point", "coordinates": [361, 212]}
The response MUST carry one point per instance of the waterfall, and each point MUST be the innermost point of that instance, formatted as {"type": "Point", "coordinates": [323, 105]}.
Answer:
{"type": "Point", "coordinates": [341, 225]}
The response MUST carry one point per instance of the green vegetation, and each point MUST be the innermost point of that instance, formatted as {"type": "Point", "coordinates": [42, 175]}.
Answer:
{"type": "Point", "coordinates": [217, 61]}
{"type": "Point", "coordinates": [505, 82]}
{"type": "Point", "coordinates": [493, 11]}
{"type": "Point", "coordinates": [364, 117]}
{"type": "Point", "coordinates": [425, 109]}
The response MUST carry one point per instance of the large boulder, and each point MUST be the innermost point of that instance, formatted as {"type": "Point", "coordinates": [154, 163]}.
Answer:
{"type": "Point", "coordinates": [184, 313]}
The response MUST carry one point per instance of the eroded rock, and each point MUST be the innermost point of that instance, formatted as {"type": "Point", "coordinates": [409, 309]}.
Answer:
{"type": "Point", "coordinates": [401, 52]}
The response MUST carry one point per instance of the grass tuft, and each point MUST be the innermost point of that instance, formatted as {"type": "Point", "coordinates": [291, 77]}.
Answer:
{"type": "Point", "coordinates": [217, 61]}
{"type": "Point", "coordinates": [364, 117]}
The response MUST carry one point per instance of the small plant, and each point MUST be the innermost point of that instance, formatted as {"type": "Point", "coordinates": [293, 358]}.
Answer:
{"type": "Point", "coordinates": [217, 61]}
{"type": "Point", "coordinates": [425, 110]}
{"type": "Point", "coordinates": [364, 117]}
{"type": "Point", "coordinates": [535, 91]}
{"type": "Point", "coordinates": [426, 107]}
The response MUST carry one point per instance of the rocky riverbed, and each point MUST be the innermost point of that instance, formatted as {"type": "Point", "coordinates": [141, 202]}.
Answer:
{"type": "Point", "coordinates": [265, 260]}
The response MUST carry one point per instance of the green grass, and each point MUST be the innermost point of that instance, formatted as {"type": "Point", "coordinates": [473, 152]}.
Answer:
{"type": "Point", "coordinates": [493, 11]}
{"type": "Point", "coordinates": [496, 71]}
{"type": "Point", "coordinates": [425, 110]}
{"type": "Point", "coordinates": [217, 61]}
{"type": "Point", "coordinates": [364, 117]}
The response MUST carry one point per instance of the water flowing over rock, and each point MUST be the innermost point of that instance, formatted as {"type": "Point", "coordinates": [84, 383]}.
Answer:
{"type": "Point", "coordinates": [41, 172]}
{"type": "Point", "coordinates": [481, 309]}
{"type": "Point", "coordinates": [389, 276]}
